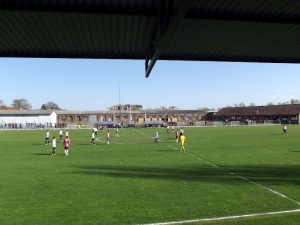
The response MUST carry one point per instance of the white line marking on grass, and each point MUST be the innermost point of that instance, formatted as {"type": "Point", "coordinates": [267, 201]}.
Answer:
{"type": "Point", "coordinates": [252, 182]}
{"type": "Point", "coordinates": [226, 217]}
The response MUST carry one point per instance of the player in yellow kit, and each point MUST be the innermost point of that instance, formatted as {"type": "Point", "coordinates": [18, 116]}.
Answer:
{"type": "Point", "coordinates": [182, 141]}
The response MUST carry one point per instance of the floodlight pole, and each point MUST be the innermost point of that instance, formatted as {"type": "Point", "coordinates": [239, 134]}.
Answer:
{"type": "Point", "coordinates": [120, 103]}
{"type": "Point", "coordinates": [114, 113]}
{"type": "Point", "coordinates": [130, 113]}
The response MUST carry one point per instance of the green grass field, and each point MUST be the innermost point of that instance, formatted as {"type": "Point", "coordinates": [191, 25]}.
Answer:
{"type": "Point", "coordinates": [228, 175]}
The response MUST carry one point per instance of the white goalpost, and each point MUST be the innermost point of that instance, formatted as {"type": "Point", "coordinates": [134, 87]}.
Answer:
{"type": "Point", "coordinates": [235, 123]}
{"type": "Point", "coordinates": [200, 123]}
{"type": "Point", "coordinates": [268, 122]}
{"type": "Point", "coordinates": [218, 123]}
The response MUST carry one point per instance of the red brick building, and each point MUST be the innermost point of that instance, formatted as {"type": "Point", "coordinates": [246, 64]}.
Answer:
{"type": "Point", "coordinates": [276, 113]}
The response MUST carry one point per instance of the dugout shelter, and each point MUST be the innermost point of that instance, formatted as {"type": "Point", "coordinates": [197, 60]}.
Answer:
{"type": "Point", "coordinates": [108, 124]}
{"type": "Point", "coordinates": [154, 124]}
{"type": "Point", "coordinates": [196, 30]}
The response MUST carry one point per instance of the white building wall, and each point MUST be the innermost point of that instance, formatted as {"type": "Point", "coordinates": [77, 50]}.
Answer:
{"type": "Point", "coordinates": [52, 118]}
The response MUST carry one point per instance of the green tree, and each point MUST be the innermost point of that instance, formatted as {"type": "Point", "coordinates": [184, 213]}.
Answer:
{"type": "Point", "coordinates": [43, 107]}
{"type": "Point", "coordinates": [294, 101]}
{"type": "Point", "coordinates": [50, 105]}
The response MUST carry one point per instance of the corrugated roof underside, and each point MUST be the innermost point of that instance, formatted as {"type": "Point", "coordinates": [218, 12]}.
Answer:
{"type": "Point", "coordinates": [74, 34]}
{"type": "Point", "coordinates": [216, 30]}
{"type": "Point", "coordinates": [241, 41]}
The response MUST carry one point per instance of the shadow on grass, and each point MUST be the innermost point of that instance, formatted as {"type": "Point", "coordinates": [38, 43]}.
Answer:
{"type": "Point", "coordinates": [273, 175]}
{"type": "Point", "coordinates": [41, 154]}
{"type": "Point", "coordinates": [168, 150]}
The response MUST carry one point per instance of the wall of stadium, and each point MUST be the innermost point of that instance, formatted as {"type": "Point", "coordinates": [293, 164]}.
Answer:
{"type": "Point", "coordinates": [24, 119]}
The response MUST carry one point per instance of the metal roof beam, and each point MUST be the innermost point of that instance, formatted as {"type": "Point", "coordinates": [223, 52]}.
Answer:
{"type": "Point", "coordinates": [252, 18]}
{"type": "Point", "coordinates": [167, 27]}
{"type": "Point", "coordinates": [77, 10]}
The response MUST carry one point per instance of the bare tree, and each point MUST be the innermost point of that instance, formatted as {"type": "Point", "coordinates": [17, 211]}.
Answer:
{"type": "Point", "coordinates": [204, 109]}
{"type": "Point", "coordinates": [270, 103]}
{"type": "Point", "coordinates": [252, 104]}
{"type": "Point", "coordinates": [21, 103]}
{"type": "Point", "coordinates": [283, 103]}
{"type": "Point", "coordinates": [1, 102]}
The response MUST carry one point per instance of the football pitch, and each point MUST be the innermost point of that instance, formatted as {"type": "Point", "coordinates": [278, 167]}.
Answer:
{"type": "Point", "coordinates": [227, 175]}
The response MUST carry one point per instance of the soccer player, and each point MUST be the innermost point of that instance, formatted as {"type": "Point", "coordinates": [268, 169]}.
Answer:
{"type": "Point", "coordinates": [181, 131]}
{"type": "Point", "coordinates": [172, 128]}
{"type": "Point", "coordinates": [67, 145]}
{"type": "Point", "coordinates": [60, 135]}
{"type": "Point", "coordinates": [54, 146]}
{"type": "Point", "coordinates": [47, 138]}
{"type": "Point", "coordinates": [182, 141]}
{"type": "Point", "coordinates": [117, 132]}
{"type": "Point", "coordinates": [168, 128]}
{"type": "Point", "coordinates": [284, 129]}
{"type": "Point", "coordinates": [67, 133]}
{"type": "Point", "coordinates": [107, 137]}
{"type": "Point", "coordinates": [156, 137]}
{"type": "Point", "coordinates": [96, 130]}
{"type": "Point", "coordinates": [93, 138]}
{"type": "Point", "coordinates": [177, 136]}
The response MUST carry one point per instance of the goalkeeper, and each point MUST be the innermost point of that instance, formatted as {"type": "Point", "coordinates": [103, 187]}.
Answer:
{"type": "Point", "coordinates": [182, 141]}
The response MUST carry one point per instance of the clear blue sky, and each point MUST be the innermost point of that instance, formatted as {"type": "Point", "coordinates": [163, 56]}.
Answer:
{"type": "Point", "coordinates": [84, 84]}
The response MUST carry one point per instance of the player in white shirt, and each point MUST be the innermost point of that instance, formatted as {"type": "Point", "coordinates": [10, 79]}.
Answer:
{"type": "Point", "coordinates": [60, 135]}
{"type": "Point", "coordinates": [54, 146]}
{"type": "Point", "coordinates": [93, 138]}
{"type": "Point", "coordinates": [156, 137]}
{"type": "Point", "coordinates": [67, 133]}
{"type": "Point", "coordinates": [47, 138]}
{"type": "Point", "coordinates": [284, 129]}
{"type": "Point", "coordinates": [117, 132]}
{"type": "Point", "coordinates": [96, 130]}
